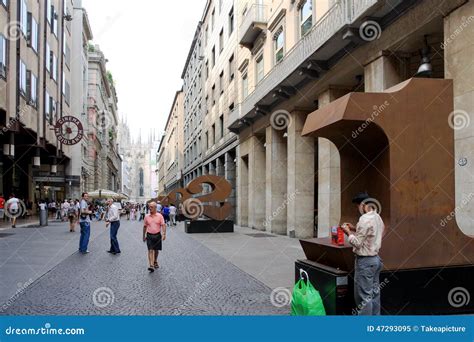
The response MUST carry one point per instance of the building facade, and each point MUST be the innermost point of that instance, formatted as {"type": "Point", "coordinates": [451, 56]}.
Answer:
{"type": "Point", "coordinates": [266, 65]}
{"type": "Point", "coordinates": [170, 159]}
{"type": "Point", "coordinates": [102, 147]}
{"type": "Point", "coordinates": [82, 35]}
{"type": "Point", "coordinates": [35, 83]}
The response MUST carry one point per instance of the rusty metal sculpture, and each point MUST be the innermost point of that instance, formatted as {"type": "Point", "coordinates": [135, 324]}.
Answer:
{"type": "Point", "coordinates": [403, 156]}
{"type": "Point", "coordinates": [212, 204]}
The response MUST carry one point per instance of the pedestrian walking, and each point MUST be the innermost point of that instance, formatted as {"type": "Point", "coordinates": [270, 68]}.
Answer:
{"type": "Point", "coordinates": [173, 212]}
{"type": "Point", "coordinates": [112, 218]}
{"type": "Point", "coordinates": [85, 223]}
{"type": "Point", "coordinates": [13, 207]}
{"type": "Point", "coordinates": [154, 233]}
{"type": "Point", "coordinates": [366, 239]}
{"type": "Point", "coordinates": [166, 213]}
{"type": "Point", "coordinates": [72, 215]}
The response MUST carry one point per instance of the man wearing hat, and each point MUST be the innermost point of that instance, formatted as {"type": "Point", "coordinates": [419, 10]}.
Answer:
{"type": "Point", "coordinates": [366, 239]}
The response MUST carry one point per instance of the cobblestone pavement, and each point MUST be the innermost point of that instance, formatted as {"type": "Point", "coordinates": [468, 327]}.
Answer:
{"type": "Point", "coordinates": [191, 280]}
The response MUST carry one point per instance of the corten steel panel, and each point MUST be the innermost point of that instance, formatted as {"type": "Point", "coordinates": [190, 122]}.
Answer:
{"type": "Point", "coordinates": [398, 145]}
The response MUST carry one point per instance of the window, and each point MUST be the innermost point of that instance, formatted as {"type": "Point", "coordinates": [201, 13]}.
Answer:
{"type": "Point", "coordinates": [205, 35]}
{"type": "Point", "coordinates": [47, 106]}
{"type": "Point", "coordinates": [207, 140]}
{"type": "Point", "coordinates": [206, 70]}
{"type": "Point", "coordinates": [54, 67]}
{"type": "Point", "coordinates": [221, 41]}
{"type": "Point", "coordinates": [24, 17]}
{"type": "Point", "coordinates": [279, 42]}
{"type": "Point", "coordinates": [23, 78]}
{"type": "Point", "coordinates": [213, 56]}
{"type": "Point", "coordinates": [5, 3]}
{"type": "Point", "coordinates": [3, 56]}
{"type": "Point", "coordinates": [48, 55]}
{"type": "Point", "coordinates": [213, 15]}
{"type": "Point", "coordinates": [231, 21]}
{"type": "Point", "coordinates": [48, 11]}
{"type": "Point", "coordinates": [245, 85]}
{"type": "Point", "coordinates": [54, 16]}
{"type": "Point", "coordinates": [259, 68]}
{"type": "Point", "coordinates": [32, 34]}
{"type": "Point", "coordinates": [213, 94]}
{"type": "Point", "coordinates": [306, 17]}
{"type": "Point", "coordinates": [221, 82]}
{"type": "Point", "coordinates": [221, 123]}
{"type": "Point", "coordinates": [32, 88]}
{"type": "Point", "coordinates": [231, 68]}
{"type": "Point", "coordinates": [213, 134]}
{"type": "Point", "coordinates": [67, 92]}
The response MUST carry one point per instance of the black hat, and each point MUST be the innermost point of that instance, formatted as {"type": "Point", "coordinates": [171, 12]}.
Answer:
{"type": "Point", "coordinates": [360, 197]}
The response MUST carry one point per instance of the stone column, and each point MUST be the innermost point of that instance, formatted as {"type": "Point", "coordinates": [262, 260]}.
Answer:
{"type": "Point", "coordinates": [230, 177]}
{"type": "Point", "coordinates": [276, 182]}
{"type": "Point", "coordinates": [242, 188]}
{"type": "Point", "coordinates": [300, 194]}
{"type": "Point", "coordinates": [220, 168]}
{"type": "Point", "coordinates": [383, 71]}
{"type": "Point", "coordinates": [459, 65]}
{"type": "Point", "coordinates": [257, 183]}
{"type": "Point", "coordinates": [329, 173]}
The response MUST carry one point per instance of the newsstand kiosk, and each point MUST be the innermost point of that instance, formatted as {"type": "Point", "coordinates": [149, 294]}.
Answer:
{"type": "Point", "coordinates": [404, 157]}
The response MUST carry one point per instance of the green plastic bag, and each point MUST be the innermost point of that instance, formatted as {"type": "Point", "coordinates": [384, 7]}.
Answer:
{"type": "Point", "coordinates": [306, 300]}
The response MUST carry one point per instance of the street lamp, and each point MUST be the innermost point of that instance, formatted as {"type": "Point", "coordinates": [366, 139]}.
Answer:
{"type": "Point", "coordinates": [425, 69]}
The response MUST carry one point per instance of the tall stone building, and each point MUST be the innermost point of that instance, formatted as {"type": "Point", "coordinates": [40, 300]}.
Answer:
{"type": "Point", "coordinates": [35, 91]}
{"type": "Point", "coordinates": [265, 65]}
{"type": "Point", "coordinates": [102, 147]}
{"type": "Point", "coordinates": [80, 164]}
{"type": "Point", "coordinates": [170, 158]}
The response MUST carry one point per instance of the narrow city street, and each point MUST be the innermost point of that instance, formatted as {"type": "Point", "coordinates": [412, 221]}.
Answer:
{"type": "Point", "coordinates": [191, 280]}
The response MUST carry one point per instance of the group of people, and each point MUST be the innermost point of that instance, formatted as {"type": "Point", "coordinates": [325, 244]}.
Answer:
{"type": "Point", "coordinates": [154, 228]}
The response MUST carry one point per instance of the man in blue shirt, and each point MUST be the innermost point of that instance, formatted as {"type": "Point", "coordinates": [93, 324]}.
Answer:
{"type": "Point", "coordinates": [85, 224]}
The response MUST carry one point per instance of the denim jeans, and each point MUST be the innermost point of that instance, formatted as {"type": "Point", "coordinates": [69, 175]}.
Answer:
{"type": "Point", "coordinates": [367, 285]}
{"type": "Point", "coordinates": [85, 234]}
{"type": "Point", "coordinates": [114, 245]}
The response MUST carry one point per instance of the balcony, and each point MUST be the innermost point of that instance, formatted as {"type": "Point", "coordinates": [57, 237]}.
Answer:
{"type": "Point", "coordinates": [254, 21]}
{"type": "Point", "coordinates": [325, 40]}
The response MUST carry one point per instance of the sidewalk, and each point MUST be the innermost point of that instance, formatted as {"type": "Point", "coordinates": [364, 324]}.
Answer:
{"type": "Point", "coordinates": [267, 257]}
{"type": "Point", "coordinates": [20, 223]}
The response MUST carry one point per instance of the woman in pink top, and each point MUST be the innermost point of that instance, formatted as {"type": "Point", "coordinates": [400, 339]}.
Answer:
{"type": "Point", "coordinates": [154, 232]}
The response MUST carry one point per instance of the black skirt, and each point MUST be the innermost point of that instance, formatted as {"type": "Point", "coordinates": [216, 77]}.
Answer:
{"type": "Point", "coordinates": [153, 241]}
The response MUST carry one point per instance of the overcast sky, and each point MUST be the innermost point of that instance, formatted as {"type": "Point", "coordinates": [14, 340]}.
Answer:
{"type": "Point", "coordinates": [146, 43]}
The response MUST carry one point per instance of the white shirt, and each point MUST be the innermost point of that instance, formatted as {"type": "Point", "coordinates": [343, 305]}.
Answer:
{"type": "Point", "coordinates": [367, 239]}
{"type": "Point", "coordinates": [12, 203]}
{"type": "Point", "coordinates": [42, 206]}
{"type": "Point", "coordinates": [113, 213]}
{"type": "Point", "coordinates": [173, 210]}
